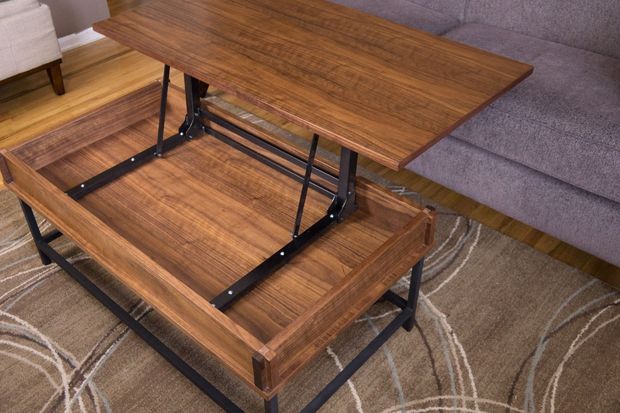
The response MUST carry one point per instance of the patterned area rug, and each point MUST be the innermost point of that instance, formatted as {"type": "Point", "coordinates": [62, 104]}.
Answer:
{"type": "Point", "coordinates": [502, 328]}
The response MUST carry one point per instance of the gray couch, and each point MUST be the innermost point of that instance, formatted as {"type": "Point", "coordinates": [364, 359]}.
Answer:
{"type": "Point", "coordinates": [548, 152]}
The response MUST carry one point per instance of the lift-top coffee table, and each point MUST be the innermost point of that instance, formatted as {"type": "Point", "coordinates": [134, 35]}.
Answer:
{"type": "Point", "coordinates": [259, 252]}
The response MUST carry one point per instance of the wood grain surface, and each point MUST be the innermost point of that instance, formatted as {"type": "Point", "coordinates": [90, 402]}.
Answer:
{"type": "Point", "coordinates": [381, 89]}
{"type": "Point", "coordinates": [201, 217]}
{"type": "Point", "coordinates": [90, 127]}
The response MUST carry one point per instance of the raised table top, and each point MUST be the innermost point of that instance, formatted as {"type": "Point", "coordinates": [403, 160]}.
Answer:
{"type": "Point", "coordinates": [384, 90]}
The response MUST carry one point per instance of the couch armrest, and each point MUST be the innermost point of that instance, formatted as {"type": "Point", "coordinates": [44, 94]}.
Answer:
{"type": "Point", "coordinates": [27, 40]}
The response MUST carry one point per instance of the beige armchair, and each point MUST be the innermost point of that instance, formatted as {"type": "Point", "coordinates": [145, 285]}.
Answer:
{"type": "Point", "coordinates": [28, 42]}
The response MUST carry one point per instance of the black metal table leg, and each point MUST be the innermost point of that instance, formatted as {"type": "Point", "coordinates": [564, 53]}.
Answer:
{"type": "Point", "coordinates": [346, 183]}
{"type": "Point", "coordinates": [34, 230]}
{"type": "Point", "coordinates": [414, 293]}
{"type": "Point", "coordinates": [406, 319]}
{"type": "Point", "coordinates": [271, 406]}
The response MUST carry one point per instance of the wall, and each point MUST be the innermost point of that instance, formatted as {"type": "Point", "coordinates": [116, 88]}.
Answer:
{"type": "Point", "coordinates": [73, 16]}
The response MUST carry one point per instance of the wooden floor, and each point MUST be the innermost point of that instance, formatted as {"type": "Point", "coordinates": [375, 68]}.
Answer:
{"type": "Point", "coordinates": [104, 70]}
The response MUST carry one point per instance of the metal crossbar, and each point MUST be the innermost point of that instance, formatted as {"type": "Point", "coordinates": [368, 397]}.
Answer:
{"type": "Point", "coordinates": [270, 162]}
{"type": "Point", "coordinates": [262, 143]}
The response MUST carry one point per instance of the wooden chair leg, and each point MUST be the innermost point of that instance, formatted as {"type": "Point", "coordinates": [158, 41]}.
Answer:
{"type": "Point", "coordinates": [55, 75]}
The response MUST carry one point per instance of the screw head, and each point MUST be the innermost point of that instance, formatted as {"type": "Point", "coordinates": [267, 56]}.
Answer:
{"type": "Point", "coordinates": [82, 186]}
{"type": "Point", "coordinates": [230, 292]}
{"type": "Point", "coordinates": [181, 133]}
{"type": "Point", "coordinates": [133, 159]}
{"type": "Point", "coordinates": [282, 253]}
{"type": "Point", "coordinates": [331, 215]}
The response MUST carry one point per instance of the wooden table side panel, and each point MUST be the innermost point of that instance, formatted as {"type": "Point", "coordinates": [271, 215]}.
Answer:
{"type": "Point", "coordinates": [314, 330]}
{"type": "Point", "coordinates": [83, 131]}
{"type": "Point", "coordinates": [228, 342]}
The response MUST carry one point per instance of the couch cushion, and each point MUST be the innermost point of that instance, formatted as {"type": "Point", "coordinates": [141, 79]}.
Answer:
{"type": "Point", "coordinates": [11, 7]}
{"type": "Point", "coordinates": [405, 12]}
{"type": "Point", "coordinates": [587, 24]}
{"type": "Point", "coordinates": [585, 220]}
{"type": "Point", "coordinates": [564, 120]}
{"type": "Point", "coordinates": [454, 8]}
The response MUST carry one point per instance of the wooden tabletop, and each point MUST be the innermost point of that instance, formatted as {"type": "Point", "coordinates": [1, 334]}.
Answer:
{"type": "Point", "coordinates": [384, 90]}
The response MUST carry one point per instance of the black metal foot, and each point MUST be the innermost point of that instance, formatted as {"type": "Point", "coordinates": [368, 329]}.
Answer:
{"type": "Point", "coordinates": [414, 293]}
{"type": "Point", "coordinates": [34, 231]}
{"type": "Point", "coordinates": [271, 406]}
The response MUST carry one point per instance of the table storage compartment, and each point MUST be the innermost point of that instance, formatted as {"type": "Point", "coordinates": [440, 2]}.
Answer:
{"type": "Point", "coordinates": [180, 229]}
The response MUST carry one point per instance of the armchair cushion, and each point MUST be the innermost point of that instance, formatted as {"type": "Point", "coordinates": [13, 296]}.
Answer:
{"type": "Point", "coordinates": [27, 40]}
{"type": "Point", "coordinates": [11, 7]}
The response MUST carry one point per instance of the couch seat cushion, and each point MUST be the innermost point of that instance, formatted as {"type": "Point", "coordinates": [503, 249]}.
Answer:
{"type": "Point", "coordinates": [405, 12]}
{"type": "Point", "coordinates": [27, 40]}
{"type": "Point", "coordinates": [564, 120]}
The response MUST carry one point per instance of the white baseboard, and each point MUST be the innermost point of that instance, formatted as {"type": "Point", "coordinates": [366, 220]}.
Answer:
{"type": "Point", "coordinates": [79, 39]}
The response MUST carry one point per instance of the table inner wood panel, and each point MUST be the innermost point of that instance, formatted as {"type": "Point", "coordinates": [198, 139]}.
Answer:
{"type": "Point", "coordinates": [379, 88]}
{"type": "Point", "coordinates": [209, 214]}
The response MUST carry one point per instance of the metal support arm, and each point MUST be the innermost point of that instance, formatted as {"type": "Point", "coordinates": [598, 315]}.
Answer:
{"type": "Point", "coordinates": [192, 127]}
{"type": "Point", "coordinates": [346, 183]}
{"type": "Point", "coordinates": [304, 187]}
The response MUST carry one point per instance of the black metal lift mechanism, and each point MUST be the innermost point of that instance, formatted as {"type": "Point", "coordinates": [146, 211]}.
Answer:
{"type": "Point", "coordinates": [343, 204]}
